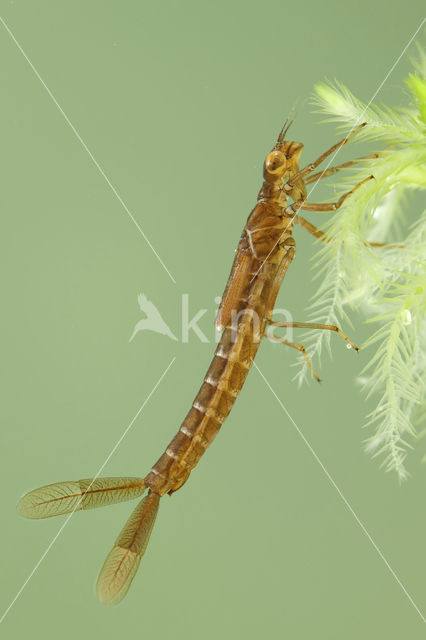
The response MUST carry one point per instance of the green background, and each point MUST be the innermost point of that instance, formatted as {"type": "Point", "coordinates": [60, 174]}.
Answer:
{"type": "Point", "coordinates": [179, 103]}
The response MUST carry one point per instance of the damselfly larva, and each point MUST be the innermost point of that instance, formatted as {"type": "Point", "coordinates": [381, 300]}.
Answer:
{"type": "Point", "coordinates": [265, 251]}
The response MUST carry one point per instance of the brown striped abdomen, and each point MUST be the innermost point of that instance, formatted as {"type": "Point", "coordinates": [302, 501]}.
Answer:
{"type": "Point", "coordinates": [222, 383]}
{"type": "Point", "coordinates": [215, 399]}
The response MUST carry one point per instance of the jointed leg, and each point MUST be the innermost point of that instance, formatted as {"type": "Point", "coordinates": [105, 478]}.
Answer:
{"type": "Point", "coordinates": [312, 229]}
{"type": "Point", "coordinates": [310, 167]}
{"type": "Point", "coordinates": [330, 206]}
{"type": "Point", "coordinates": [317, 233]}
{"type": "Point", "coordinates": [314, 325]}
{"type": "Point", "coordinates": [331, 170]}
{"type": "Point", "coordinates": [300, 348]}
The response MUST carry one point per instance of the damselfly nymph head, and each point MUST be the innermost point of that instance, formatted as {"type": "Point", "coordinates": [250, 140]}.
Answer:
{"type": "Point", "coordinates": [275, 165]}
{"type": "Point", "coordinates": [282, 162]}
{"type": "Point", "coordinates": [283, 159]}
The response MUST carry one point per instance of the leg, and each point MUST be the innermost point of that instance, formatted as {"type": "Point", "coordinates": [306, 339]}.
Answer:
{"type": "Point", "coordinates": [331, 170]}
{"type": "Point", "coordinates": [317, 233]}
{"type": "Point", "coordinates": [330, 206]}
{"type": "Point", "coordinates": [312, 229]}
{"type": "Point", "coordinates": [310, 167]}
{"type": "Point", "coordinates": [314, 325]}
{"type": "Point", "coordinates": [299, 347]}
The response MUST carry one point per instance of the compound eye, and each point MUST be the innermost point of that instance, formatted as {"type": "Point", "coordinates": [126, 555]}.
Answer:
{"type": "Point", "coordinates": [275, 162]}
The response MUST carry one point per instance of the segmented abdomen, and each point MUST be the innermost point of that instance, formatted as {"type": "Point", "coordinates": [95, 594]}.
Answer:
{"type": "Point", "coordinates": [222, 383]}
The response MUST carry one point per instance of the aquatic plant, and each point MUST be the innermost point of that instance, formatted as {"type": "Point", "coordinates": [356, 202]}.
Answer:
{"type": "Point", "coordinates": [386, 284]}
